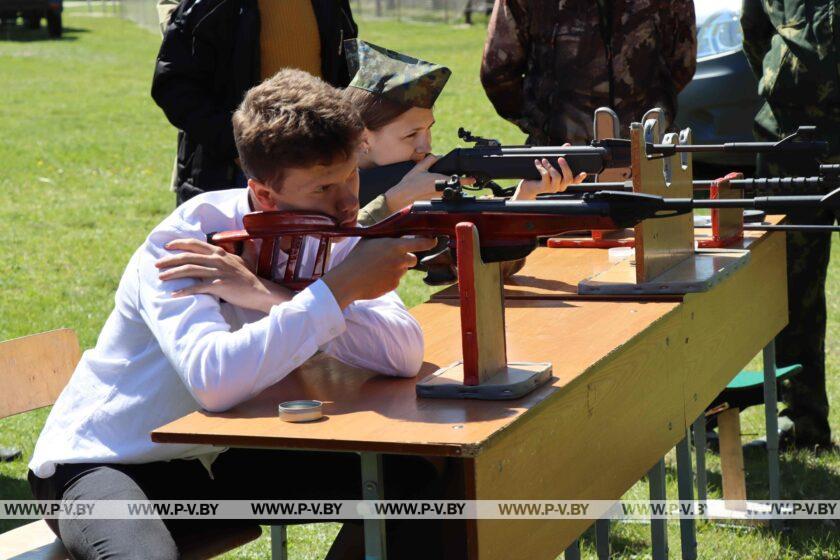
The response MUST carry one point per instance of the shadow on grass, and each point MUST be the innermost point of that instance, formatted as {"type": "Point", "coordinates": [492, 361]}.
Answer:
{"type": "Point", "coordinates": [23, 34]}
{"type": "Point", "coordinates": [13, 489]}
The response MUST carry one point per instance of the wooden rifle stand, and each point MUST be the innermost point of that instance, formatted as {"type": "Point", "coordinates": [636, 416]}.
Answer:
{"type": "Point", "coordinates": [484, 372]}
{"type": "Point", "coordinates": [665, 258]}
{"type": "Point", "coordinates": [606, 125]}
{"type": "Point", "coordinates": [727, 223]}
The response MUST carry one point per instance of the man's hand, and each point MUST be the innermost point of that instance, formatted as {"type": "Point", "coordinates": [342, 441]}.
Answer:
{"type": "Point", "coordinates": [221, 274]}
{"type": "Point", "coordinates": [374, 267]}
{"type": "Point", "coordinates": [552, 180]}
{"type": "Point", "coordinates": [418, 184]}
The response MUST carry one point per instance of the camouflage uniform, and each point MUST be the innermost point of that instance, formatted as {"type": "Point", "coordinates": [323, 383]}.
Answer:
{"type": "Point", "coordinates": [793, 47]}
{"type": "Point", "coordinates": [548, 64]}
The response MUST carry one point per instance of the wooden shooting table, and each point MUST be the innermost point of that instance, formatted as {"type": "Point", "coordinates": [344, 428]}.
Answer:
{"type": "Point", "coordinates": [630, 377]}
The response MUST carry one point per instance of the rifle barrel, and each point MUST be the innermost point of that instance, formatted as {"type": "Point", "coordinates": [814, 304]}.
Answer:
{"type": "Point", "coordinates": [780, 203]}
{"type": "Point", "coordinates": [740, 147]}
{"type": "Point", "coordinates": [787, 227]}
{"type": "Point", "coordinates": [782, 183]}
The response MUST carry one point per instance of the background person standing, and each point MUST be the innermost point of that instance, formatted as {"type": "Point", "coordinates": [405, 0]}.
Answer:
{"type": "Point", "coordinates": [213, 51]}
{"type": "Point", "coordinates": [548, 64]}
{"type": "Point", "coordinates": [792, 46]}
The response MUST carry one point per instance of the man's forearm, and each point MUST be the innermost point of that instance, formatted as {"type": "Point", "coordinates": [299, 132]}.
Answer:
{"type": "Point", "coordinates": [381, 335]}
{"type": "Point", "coordinates": [758, 33]}
{"type": "Point", "coordinates": [503, 62]}
{"type": "Point", "coordinates": [275, 294]}
{"type": "Point", "coordinates": [681, 34]}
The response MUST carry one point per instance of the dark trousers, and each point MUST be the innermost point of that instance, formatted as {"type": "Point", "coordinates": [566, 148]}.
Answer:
{"type": "Point", "coordinates": [237, 474]}
{"type": "Point", "coordinates": [802, 341]}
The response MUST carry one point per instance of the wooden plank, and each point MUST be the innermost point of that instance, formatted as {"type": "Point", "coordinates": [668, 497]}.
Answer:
{"type": "Point", "coordinates": [482, 311]}
{"type": "Point", "coordinates": [584, 440]}
{"type": "Point", "coordinates": [367, 412]}
{"type": "Point", "coordinates": [33, 541]}
{"type": "Point", "coordinates": [732, 458]}
{"type": "Point", "coordinates": [34, 369]}
{"type": "Point", "coordinates": [661, 243]}
{"type": "Point", "coordinates": [741, 314]}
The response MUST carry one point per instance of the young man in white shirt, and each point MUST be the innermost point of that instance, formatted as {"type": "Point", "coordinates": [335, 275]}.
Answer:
{"type": "Point", "coordinates": [193, 328]}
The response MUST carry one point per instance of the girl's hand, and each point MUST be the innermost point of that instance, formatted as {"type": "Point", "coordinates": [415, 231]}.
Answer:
{"type": "Point", "coordinates": [418, 184]}
{"type": "Point", "coordinates": [553, 180]}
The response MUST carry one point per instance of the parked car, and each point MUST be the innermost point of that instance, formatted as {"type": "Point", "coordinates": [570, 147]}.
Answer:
{"type": "Point", "coordinates": [32, 11]}
{"type": "Point", "coordinates": [721, 101]}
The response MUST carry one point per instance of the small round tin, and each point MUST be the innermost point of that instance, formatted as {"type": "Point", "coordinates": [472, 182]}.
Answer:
{"type": "Point", "coordinates": [300, 411]}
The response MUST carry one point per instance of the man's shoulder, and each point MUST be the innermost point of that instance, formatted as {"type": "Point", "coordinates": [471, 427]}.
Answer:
{"type": "Point", "coordinates": [206, 213]}
{"type": "Point", "coordinates": [191, 13]}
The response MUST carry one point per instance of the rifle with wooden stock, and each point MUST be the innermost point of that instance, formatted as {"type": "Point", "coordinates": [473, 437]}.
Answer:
{"type": "Point", "coordinates": [507, 230]}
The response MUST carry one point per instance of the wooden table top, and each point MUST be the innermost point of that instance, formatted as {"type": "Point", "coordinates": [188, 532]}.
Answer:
{"type": "Point", "coordinates": [555, 273]}
{"type": "Point", "coordinates": [368, 412]}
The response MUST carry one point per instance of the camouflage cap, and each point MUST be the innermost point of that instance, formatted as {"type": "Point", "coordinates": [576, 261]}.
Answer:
{"type": "Point", "coordinates": [393, 75]}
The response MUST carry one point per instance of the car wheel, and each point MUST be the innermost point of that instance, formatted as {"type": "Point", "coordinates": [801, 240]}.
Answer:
{"type": "Point", "coordinates": [54, 24]}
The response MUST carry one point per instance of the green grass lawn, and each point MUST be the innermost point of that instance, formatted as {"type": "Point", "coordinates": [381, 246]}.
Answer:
{"type": "Point", "coordinates": [85, 159]}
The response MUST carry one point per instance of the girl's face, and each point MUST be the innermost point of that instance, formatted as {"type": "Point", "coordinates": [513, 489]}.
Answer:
{"type": "Point", "coordinates": [408, 137]}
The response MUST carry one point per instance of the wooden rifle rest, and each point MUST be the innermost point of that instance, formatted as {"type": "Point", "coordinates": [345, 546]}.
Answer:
{"type": "Point", "coordinates": [484, 372]}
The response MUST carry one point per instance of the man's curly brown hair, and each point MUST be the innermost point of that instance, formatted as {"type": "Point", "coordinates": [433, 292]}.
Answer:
{"type": "Point", "coordinates": [293, 120]}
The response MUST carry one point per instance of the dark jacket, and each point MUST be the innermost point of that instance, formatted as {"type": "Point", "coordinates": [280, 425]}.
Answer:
{"type": "Point", "coordinates": [209, 58]}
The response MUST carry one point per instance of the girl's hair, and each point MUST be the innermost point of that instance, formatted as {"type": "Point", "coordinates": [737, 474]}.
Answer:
{"type": "Point", "coordinates": [376, 110]}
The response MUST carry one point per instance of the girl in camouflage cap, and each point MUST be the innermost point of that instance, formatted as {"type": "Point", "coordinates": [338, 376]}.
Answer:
{"type": "Point", "coordinates": [395, 95]}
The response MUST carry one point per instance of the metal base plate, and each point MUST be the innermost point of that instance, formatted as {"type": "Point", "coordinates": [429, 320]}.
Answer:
{"type": "Point", "coordinates": [514, 381]}
{"type": "Point", "coordinates": [694, 274]}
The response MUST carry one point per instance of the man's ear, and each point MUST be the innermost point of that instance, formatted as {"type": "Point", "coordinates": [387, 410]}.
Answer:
{"type": "Point", "coordinates": [262, 195]}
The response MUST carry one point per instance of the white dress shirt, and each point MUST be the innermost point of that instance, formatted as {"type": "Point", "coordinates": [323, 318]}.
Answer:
{"type": "Point", "coordinates": [159, 358]}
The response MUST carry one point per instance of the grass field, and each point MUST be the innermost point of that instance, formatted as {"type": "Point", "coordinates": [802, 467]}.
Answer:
{"type": "Point", "coordinates": [85, 157]}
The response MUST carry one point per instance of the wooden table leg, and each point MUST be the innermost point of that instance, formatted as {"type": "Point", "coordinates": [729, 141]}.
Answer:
{"type": "Point", "coordinates": [373, 489]}
{"type": "Point", "coordinates": [658, 527]}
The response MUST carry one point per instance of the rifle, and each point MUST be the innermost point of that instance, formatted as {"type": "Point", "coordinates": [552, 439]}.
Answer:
{"type": "Point", "coordinates": [489, 160]}
{"type": "Point", "coordinates": [827, 180]}
{"type": "Point", "coordinates": [508, 230]}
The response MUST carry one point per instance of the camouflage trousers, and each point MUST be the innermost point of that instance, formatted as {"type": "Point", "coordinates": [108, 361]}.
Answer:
{"type": "Point", "coordinates": [802, 341]}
